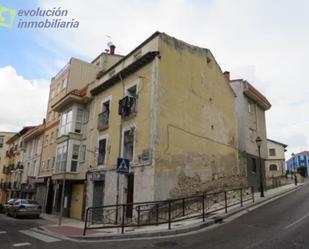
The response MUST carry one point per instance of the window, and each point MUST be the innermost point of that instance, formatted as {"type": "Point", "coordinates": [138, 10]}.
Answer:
{"type": "Point", "coordinates": [1, 141]}
{"type": "Point", "coordinates": [53, 163]}
{"type": "Point", "coordinates": [272, 152]}
{"type": "Point", "coordinates": [66, 123]}
{"type": "Point", "coordinates": [249, 107]}
{"type": "Point", "coordinates": [253, 161]}
{"type": "Point", "coordinates": [132, 91]}
{"type": "Point", "coordinates": [74, 161]}
{"type": "Point", "coordinates": [48, 164]}
{"type": "Point", "coordinates": [83, 153]}
{"type": "Point", "coordinates": [52, 94]}
{"type": "Point", "coordinates": [79, 120]}
{"type": "Point", "coordinates": [61, 157]}
{"type": "Point", "coordinates": [64, 83]}
{"type": "Point", "coordinates": [58, 88]}
{"type": "Point", "coordinates": [273, 167]}
{"type": "Point", "coordinates": [128, 144]}
{"type": "Point", "coordinates": [46, 141]}
{"type": "Point", "coordinates": [43, 165]}
{"type": "Point", "coordinates": [104, 116]}
{"type": "Point", "coordinates": [128, 105]}
{"type": "Point", "coordinates": [102, 151]}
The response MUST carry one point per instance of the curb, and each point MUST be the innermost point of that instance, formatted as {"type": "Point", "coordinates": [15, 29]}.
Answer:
{"type": "Point", "coordinates": [191, 228]}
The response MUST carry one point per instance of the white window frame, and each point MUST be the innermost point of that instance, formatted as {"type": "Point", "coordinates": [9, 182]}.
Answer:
{"type": "Point", "coordinates": [63, 157]}
{"type": "Point", "coordinates": [72, 159]}
{"type": "Point", "coordinates": [83, 149]}
{"type": "Point", "coordinates": [63, 130]}
{"type": "Point", "coordinates": [74, 119]}
{"type": "Point", "coordinates": [133, 83]}
{"type": "Point", "coordinates": [108, 98]}
{"type": "Point", "coordinates": [64, 83]}
{"type": "Point", "coordinates": [127, 128]}
{"type": "Point", "coordinates": [106, 137]}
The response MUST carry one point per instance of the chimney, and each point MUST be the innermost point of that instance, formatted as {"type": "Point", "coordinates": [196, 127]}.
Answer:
{"type": "Point", "coordinates": [227, 75]}
{"type": "Point", "coordinates": [112, 49]}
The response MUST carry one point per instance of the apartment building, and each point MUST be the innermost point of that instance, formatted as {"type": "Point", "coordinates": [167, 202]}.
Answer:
{"type": "Point", "coordinates": [33, 143]}
{"type": "Point", "coordinates": [167, 108]}
{"type": "Point", "coordinates": [297, 160]}
{"type": "Point", "coordinates": [64, 135]}
{"type": "Point", "coordinates": [275, 163]}
{"type": "Point", "coordinates": [250, 107]}
{"type": "Point", "coordinates": [14, 168]}
{"type": "Point", "coordinates": [4, 148]}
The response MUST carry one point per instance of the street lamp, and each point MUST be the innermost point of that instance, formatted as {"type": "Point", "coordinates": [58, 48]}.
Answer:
{"type": "Point", "coordinates": [259, 143]}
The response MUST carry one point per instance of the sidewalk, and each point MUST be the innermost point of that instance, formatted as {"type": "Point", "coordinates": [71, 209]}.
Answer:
{"type": "Point", "coordinates": [73, 229]}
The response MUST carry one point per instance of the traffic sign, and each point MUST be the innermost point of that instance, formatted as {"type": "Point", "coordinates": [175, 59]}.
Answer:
{"type": "Point", "coordinates": [123, 165]}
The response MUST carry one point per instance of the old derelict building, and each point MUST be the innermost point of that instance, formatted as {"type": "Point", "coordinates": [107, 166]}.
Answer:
{"type": "Point", "coordinates": [169, 110]}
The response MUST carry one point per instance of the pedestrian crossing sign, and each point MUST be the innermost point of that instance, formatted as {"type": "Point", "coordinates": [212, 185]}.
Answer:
{"type": "Point", "coordinates": [123, 165]}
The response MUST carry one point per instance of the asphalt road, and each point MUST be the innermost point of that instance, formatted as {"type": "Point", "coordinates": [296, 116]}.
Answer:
{"type": "Point", "coordinates": [281, 224]}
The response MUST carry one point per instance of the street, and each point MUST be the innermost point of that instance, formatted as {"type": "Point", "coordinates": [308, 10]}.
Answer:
{"type": "Point", "coordinates": [282, 224]}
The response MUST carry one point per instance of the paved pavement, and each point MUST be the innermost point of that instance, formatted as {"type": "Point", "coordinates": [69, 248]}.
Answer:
{"type": "Point", "coordinates": [280, 224]}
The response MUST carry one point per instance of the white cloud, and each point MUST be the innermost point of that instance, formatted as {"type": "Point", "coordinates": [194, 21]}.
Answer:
{"type": "Point", "coordinates": [22, 102]}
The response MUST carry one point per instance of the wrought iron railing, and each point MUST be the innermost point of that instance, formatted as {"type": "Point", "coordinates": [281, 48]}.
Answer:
{"type": "Point", "coordinates": [167, 211]}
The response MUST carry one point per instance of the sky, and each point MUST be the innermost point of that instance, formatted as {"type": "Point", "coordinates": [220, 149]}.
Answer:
{"type": "Point", "coordinates": [264, 42]}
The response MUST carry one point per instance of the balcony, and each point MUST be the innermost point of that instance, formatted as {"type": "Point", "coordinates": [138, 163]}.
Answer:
{"type": "Point", "coordinates": [103, 120]}
{"type": "Point", "coordinates": [127, 106]}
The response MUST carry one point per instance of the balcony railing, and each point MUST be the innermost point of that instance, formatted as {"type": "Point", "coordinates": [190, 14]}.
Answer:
{"type": "Point", "coordinates": [127, 106]}
{"type": "Point", "coordinates": [103, 120]}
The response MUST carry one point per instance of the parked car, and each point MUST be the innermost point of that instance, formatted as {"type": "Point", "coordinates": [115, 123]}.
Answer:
{"type": "Point", "coordinates": [8, 204]}
{"type": "Point", "coordinates": [24, 207]}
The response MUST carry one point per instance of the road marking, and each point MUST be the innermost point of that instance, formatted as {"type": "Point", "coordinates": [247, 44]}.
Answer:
{"type": "Point", "coordinates": [3, 232]}
{"type": "Point", "coordinates": [22, 244]}
{"type": "Point", "coordinates": [39, 236]}
{"type": "Point", "coordinates": [297, 221]}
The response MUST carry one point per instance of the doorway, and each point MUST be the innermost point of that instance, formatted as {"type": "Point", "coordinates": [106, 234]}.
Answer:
{"type": "Point", "coordinates": [98, 190]}
{"type": "Point", "coordinates": [130, 195]}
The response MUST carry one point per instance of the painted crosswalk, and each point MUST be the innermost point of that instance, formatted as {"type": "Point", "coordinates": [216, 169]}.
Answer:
{"type": "Point", "coordinates": [39, 236]}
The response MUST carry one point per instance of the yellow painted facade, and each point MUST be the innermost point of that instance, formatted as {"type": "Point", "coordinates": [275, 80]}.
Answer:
{"type": "Point", "coordinates": [196, 147]}
{"type": "Point", "coordinates": [185, 138]}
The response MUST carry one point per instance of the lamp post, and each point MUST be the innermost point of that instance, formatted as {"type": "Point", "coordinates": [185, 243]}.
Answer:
{"type": "Point", "coordinates": [259, 142]}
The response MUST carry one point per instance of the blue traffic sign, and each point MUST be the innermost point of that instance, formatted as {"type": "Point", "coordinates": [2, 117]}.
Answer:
{"type": "Point", "coordinates": [123, 165]}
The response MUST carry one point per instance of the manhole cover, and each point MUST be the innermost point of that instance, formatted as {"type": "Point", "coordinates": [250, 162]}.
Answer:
{"type": "Point", "coordinates": [166, 244]}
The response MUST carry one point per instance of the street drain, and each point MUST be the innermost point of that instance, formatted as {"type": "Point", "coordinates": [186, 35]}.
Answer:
{"type": "Point", "coordinates": [165, 244]}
